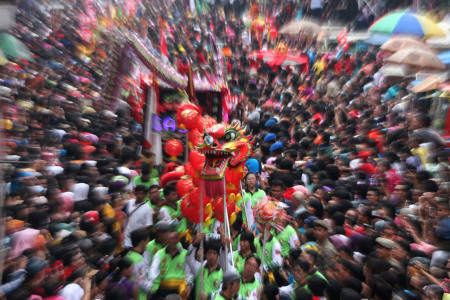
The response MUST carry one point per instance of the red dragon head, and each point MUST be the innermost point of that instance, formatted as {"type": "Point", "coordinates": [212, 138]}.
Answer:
{"type": "Point", "coordinates": [224, 145]}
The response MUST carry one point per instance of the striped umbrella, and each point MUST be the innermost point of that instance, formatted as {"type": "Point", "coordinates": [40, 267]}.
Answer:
{"type": "Point", "coordinates": [405, 23]}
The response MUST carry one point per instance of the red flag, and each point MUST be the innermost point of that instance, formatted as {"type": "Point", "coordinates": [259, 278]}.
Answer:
{"type": "Point", "coordinates": [162, 40]}
{"type": "Point", "coordinates": [342, 39]}
{"type": "Point", "coordinates": [159, 107]}
{"type": "Point", "coordinates": [190, 90]}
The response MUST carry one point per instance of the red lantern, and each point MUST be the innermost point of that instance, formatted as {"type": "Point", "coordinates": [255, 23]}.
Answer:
{"type": "Point", "coordinates": [174, 148]}
{"type": "Point", "coordinates": [184, 185]}
{"type": "Point", "coordinates": [195, 174]}
{"type": "Point", "coordinates": [205, 122]}
{"type": "Point", "coordinates": [195, 138]}
{"type": "Point", "coordinates": [218, 209]}
{"type": "Point", "coordinates": [188, 115]}
{"type": "Point", "coordinates": [191, 209]}
{"type": "Point", "coordinates": [197, 159]}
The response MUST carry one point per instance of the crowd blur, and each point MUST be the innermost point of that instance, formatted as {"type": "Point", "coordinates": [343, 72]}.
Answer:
{"type": "Point", "coordinates": [363, 177]}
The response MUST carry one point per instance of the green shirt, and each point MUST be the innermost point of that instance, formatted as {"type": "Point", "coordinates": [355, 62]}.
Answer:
{"type": "Point", "coordinates": [210, 228]}
{"type": "Point", "coordinates": [153, 247]}
{"type": "Point", "coordinates": [249, 289]}
{"type": "Point", "coordinates": [151, 181]}
{"type": "Point", "coordinates": [249, 196]}
{"type": "Point", "coordinates": [283, 238]}
{"type": "Point", "coordinates": [235, 242]}
{"type": "Point", "coordinates": [137, 260]}
{"type": "Point", "coordinates": [170, 268]}
{"type": "Point", "coordinates": [268, 253]}
{"type": "Point", "coordinates": [173, 214]}
{"type": "Point", "coordinates": [239, 262]}
{"type": "Point", "coordinates": [211, 281]}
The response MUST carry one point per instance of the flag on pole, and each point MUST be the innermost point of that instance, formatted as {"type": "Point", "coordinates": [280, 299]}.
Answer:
{"type": "Point", "coordinates": [190, 90]}
{"type": "Point", "coordinates": [342, 39]}
{"type": "Point", "coordinates": [162, 40]}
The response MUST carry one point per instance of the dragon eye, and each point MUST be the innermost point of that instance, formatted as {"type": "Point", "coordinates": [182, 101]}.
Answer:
{"type": "Point", "coordinates": [229, 136]}
{"type": "Point", "coordinates": [208, 139]}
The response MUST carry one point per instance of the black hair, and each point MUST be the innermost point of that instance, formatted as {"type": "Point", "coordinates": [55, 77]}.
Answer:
{"type": "Point", "coordinates": [351, 294]}
{"type": "Point", "coordinates": [317, 285]}
{"type": "Point", "coordinates": [318, 207]}
{"type": "Point", "coordinates": [354, 284]}
{"type": "Point", "coordinates": [313, 254]}
{"type": "Point", "coordinates": [100, 277]}
{"type": "Point", "coordinates": [138, 236]}
{"type": "Point", "coordinates": [303, 264]}
{"type": "Point", "coordinates": [247, 235]}
{"type": "Point", "coordinates": [140, 188]}
{"type": "Point", "coordinates": [214, 245]}
{"type": "Point", "coordinates": [302, 294]}
{"type": "Point", "coordinates": [374, 189]}
{"type": "Point", "coordinates": [346, 249]}
{"type": "Point", "coordinates": [145, 170]}
{"type": "Point", "coordinates": [271, 290]}
{"type": "Point", "coordinates": [333, 290]}
{"type": "Point", "coordinates": [291, 152]}
{"type": "Point", "coordinates": [338, 218]}
{"type": "Point", "coordinates": [258, 261]}
{"type": "Point", "coordinates": [382, 289]}
{"type": "Point", "coordinates": [122, 264]}
{"type": "Point", "coordinates": [430, 186]}
{"type": "Point", "coordinates": [346, 264]}
{"type": "Point", "coordinates": [295, 253]}
{"type": "Point", "coordinates": [277, 182]}
{"type": "Point", "coordinates": [254, 101]}
{"type": "Point", "coordinates": [169, 189]}
{"type": "Point", "coordinates": [153, 186]}
{"type": "Point", "coordinates": [250, 173]}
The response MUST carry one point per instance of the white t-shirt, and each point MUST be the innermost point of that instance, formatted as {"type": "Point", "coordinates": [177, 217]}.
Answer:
{"type": "Point", "coordinates": [80, 191]}
{"type": "Point", "coordinates": [142, 217]}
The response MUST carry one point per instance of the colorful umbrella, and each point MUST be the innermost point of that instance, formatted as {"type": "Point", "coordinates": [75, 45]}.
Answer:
{"type": "Point", "coordinates": [404, 23]}
{"type": "Point", "coordinates": [13, 47]}
{"type": "Point", "coordinates": [377, 39]}
{"type": "Point", "coordinates": [3, 59]}
{"type": "Point", "coordinates": [417, 57]}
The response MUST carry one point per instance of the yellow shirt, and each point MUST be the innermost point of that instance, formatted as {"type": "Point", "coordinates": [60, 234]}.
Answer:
{"type": "Point", "coordinates": [318, 67]}
{"type": "Point", "coordinates": [421, 153]}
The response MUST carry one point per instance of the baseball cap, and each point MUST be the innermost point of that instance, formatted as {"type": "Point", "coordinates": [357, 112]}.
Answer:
{"type": "Point", "coordinates": [162, 226]}
{"type": "Point", "coordinates": [35, 265]}
{"type": "Point", "coordinates": [230, 276]}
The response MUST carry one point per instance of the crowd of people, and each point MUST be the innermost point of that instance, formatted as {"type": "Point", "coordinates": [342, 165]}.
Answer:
{"type": "Point", "coordinates": [363, 178]}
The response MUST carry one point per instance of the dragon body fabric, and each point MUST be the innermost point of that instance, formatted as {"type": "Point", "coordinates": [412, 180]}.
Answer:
{"type": "Point", "coordinates": [216, 151]}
